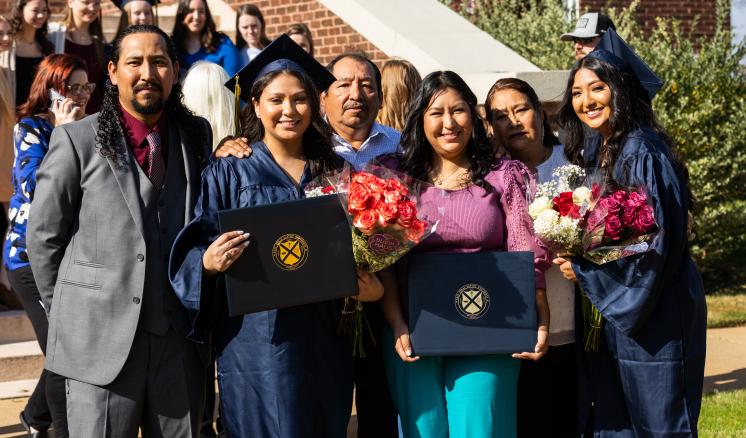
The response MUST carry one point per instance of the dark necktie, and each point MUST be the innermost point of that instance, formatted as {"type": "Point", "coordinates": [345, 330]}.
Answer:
{"type": "Point", "coordinates": [156, 166]}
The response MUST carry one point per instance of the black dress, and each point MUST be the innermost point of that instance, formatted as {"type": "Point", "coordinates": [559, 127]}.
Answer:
{"type": "Point", "coordinates": [25, 73]}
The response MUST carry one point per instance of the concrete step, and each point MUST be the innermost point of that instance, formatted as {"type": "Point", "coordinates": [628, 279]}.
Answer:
{"type": "Point", "coordinates": [17, 388]}
{"type": "Point", "coordinates": [20, 361]}
{"type": "Point", "coordinates": [15, 327]}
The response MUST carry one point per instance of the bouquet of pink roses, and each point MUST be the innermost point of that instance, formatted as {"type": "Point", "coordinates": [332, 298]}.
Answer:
{"type": "Point", "coordinates": [621, 224]}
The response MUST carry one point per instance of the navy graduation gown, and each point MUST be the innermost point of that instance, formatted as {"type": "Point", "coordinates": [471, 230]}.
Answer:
{"type": "Point", "coordinates": [646, 380]}
{"type": "Point", "coordinates": [282, 373]}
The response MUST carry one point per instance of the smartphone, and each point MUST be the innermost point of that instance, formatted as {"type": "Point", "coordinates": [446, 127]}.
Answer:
{"type": "Point", "coordinates": [54, 95]}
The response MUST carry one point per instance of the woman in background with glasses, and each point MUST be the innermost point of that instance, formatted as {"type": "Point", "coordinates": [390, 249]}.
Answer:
{"type": "Point", "coordinates": [65, 75]}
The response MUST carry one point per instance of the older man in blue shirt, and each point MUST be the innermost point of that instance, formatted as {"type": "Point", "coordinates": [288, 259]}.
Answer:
{"type": "Point", "coordinates": [351, 105]}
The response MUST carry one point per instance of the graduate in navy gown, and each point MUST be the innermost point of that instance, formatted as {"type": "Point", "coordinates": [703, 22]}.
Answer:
{"type": "Point", "coordinates": [646, 378]}
{"type": "Point", "coordinates": [282, 373]}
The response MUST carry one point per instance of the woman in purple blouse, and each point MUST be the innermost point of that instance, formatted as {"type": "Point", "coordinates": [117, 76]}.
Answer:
{"type": "Point", "coordinates": [484, 206]}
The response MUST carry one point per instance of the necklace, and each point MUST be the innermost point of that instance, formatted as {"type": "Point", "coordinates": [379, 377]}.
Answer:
{"type": "Point", "coordinates": [440, 180]}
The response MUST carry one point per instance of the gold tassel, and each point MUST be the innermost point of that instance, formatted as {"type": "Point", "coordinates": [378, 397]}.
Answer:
{"type": "Point", "coordinates": [237, 92]}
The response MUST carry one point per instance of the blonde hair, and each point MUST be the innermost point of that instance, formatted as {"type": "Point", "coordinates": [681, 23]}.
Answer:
{"type": "Point", "coordinates": [95, 29]}
{"type": "Point", "coordinates": [399, 83]}
{"type": "Point", "coordinates": [206, 96]}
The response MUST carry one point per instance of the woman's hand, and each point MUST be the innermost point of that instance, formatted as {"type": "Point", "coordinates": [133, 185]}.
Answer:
{"type": "Point", "coordinates": [566, 268]}
{"type": "Point", "coordinates": [369, 287]}
{"type": "Point", "coordinates": [401, 343]}
{"type": "Point", "coordinates": [66, 111]}
{"type": "Point", "coordinates": [542, 336]}
{"type": "Point", "coordinates": [221, 253]}
{"type": "Point", "coordinates": [233, 147]}
{"type": "Point", "coordinates": [542, 333]}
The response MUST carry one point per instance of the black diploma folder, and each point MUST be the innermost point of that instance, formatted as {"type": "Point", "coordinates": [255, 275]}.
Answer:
{"type": "Point", "coordinates": [300, 252]}
{"type": "Point", "coordinates": [477, 303]}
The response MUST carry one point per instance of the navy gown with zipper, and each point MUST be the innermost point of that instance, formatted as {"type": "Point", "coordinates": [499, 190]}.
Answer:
{"type": "Point", "coordinates": [646, 379]}
{"type": "Point", "coordinates": [282, 373]}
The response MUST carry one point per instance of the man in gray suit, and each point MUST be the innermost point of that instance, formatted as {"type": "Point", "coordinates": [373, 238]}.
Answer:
{"type": "Point", "coordinates": [112, 194]}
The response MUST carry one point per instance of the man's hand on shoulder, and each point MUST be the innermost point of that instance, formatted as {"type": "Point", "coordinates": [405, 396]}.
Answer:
{"type": "Point", "coordinates": [233, 147]}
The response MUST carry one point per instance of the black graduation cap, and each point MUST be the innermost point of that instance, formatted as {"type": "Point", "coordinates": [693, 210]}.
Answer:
{"type": "Point", "coordinates": [121, 3]}
{"type": "Point", "coordinates": [281, 54]}
{"type": "Point", "coordinates": [614, 50]}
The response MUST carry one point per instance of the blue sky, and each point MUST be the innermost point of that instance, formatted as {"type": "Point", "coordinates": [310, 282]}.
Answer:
{"type": "Point", "coordinates": [738, 21]}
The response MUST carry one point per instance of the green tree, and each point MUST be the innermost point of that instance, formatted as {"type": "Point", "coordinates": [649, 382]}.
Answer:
{"type": "Point", "coordinates": [702, 105]}
{"type": "Point", "coordinates": [530, 27]}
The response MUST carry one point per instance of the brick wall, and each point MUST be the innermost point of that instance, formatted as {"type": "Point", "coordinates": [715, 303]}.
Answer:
{"type": "Point", "coordinates": [648, 10]}
{"type": "Point", "coordinates": [331, 35]}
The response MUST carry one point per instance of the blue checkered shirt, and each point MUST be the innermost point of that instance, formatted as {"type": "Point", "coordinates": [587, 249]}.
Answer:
{"type": "Point", "coordinates": [382, 140]}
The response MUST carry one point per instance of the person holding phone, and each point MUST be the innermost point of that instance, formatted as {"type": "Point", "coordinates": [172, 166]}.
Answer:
{"type": "Point", "coordinates": [64, 78]}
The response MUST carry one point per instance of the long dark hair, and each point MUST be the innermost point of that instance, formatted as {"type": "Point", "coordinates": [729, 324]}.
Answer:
{"type": "Point", "coordinates": [317, 145]}
{"type": "Point", "coordinates": [209, 36]}
{"type": "Point", "coordinates": [54, 72]}
{"type": "Point", "coordinates": [521, 86]}
{"type": "Point", "coordinates": [418, 153]}
{"type": "Point", "coordinates": [40, 35]}
{"type": "Point", "coordinates": [110, 133]}
{"type": "Point", "coordinates": [630, 109]}
{"type": "Point", "coordinates": [254, 12]}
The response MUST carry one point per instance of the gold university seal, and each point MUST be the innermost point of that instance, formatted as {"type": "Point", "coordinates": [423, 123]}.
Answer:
{"type": "Point", "coordinates": [290, 252]}
{"type": "Point", "coordinates": [472, 301]}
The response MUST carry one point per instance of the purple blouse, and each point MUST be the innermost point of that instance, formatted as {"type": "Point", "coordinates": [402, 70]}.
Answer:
{"type": "Point", "coordinates": [475, 221]}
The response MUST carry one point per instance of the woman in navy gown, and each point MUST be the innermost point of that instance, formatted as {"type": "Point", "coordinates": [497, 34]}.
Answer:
{"type": "Point", "coordinates": [282, 373]}
{"type": "Point", "coordinates": [646, 378]}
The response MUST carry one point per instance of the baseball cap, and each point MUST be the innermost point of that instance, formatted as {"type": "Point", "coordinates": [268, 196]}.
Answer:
{"type": "Point", "coordinates": [589, 25]}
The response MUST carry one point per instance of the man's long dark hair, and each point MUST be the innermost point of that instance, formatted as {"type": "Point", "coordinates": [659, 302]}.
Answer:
{"type": "Point", "coordinates": [418, 153]}
{"type": "Point", "coordinates": [630, 109]}
{"type": "Point", "coordinates": [110, 133]}
{"type": "Point", "coordinates": [317, 146]}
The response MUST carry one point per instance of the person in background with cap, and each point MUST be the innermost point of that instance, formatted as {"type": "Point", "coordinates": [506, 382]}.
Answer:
{"type": "Point", "coordinates": [136, 12]}
{"type": "Point", "coordinates": [587, 33]}
{"type": "Point", "coordinates": [112, 193]}
{"type": "Point", "coordinates": [646, 378]}
{"type": "Point", "coordinates": [283, 373]}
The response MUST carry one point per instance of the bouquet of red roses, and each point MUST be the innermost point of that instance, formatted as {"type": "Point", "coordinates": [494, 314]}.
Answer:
{"type": "Point", "coordinates": [384, 217]}
{"type": "Point", "coordinates": [386, 221]}
{"type": "Point", "coordinates": [621, 224]}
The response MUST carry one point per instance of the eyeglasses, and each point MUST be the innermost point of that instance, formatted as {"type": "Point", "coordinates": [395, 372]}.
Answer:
{"type": "Point", "coordinates": [584, 41]}
{"type": "Point", "coordinates": [78, 89]}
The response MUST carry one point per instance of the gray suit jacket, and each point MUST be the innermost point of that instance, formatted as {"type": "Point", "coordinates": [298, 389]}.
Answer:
{"type": "Point", "coordinates": [87, 249]}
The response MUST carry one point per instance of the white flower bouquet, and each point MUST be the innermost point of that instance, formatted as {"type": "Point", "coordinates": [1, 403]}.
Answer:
{"type": "Point", "coordinates": [559, 208]}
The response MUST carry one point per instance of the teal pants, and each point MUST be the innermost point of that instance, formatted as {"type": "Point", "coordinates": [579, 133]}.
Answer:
{"type": "Point", "coordinates": [453, 396]}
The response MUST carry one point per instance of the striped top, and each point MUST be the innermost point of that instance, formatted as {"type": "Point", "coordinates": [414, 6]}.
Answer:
{"type": "Point", "coordinates": [475, 221]}
{"type": "Point", "coordinates": [381, 141]}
